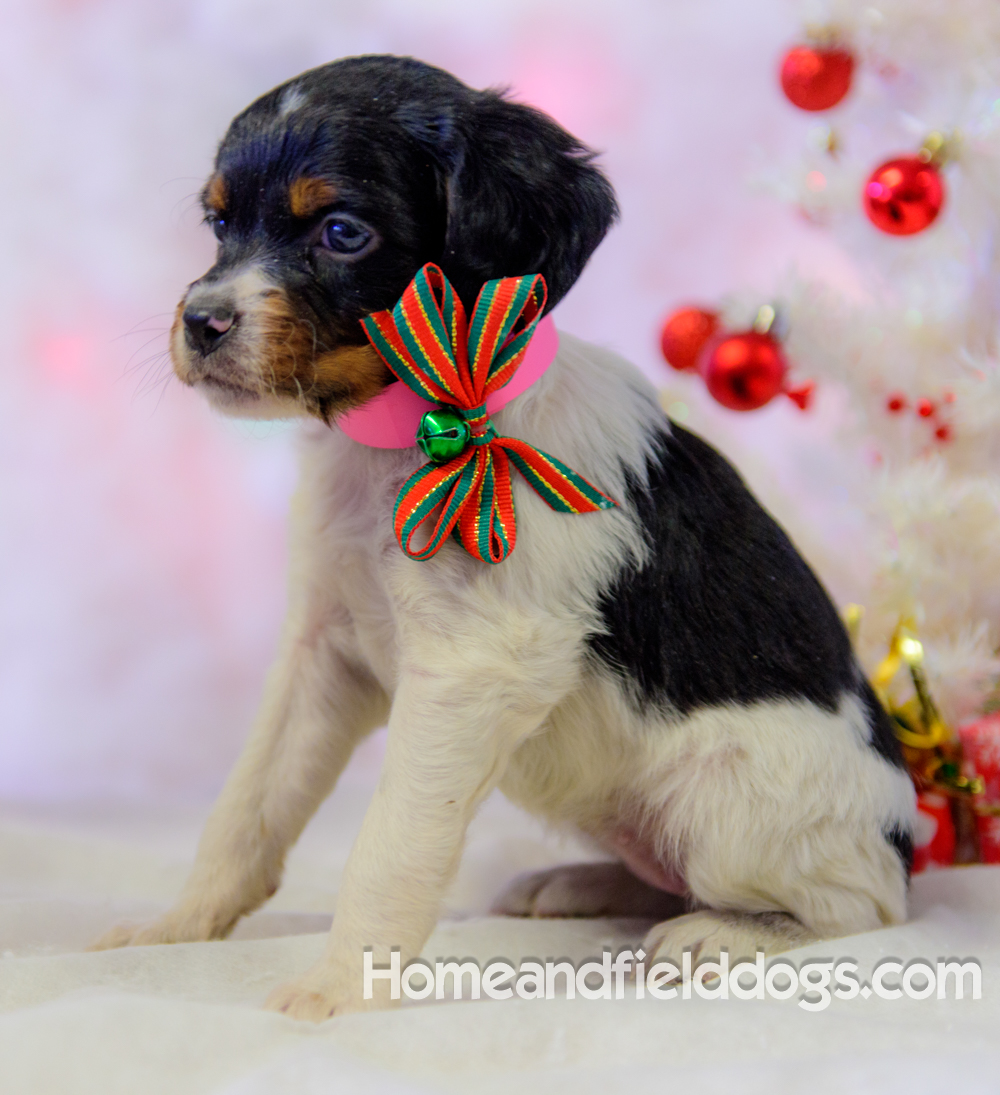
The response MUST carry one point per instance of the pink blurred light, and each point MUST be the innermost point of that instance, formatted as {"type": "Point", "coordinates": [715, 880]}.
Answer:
{"type": "Point", "coordinates": [816, 180]}
{"type": "Point", "coordinates": [576, 83]}
{"type": "Point", "coordinates": [64, 358]}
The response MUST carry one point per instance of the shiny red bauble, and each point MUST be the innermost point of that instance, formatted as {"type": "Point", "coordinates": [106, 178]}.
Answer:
{"type": "Point", "coordinates": [816, 79]}
{"type": "Point", "coordinates": [684, 336]}
{"type": "Point", "coordinates": [744, 371]}
{"type": "Point", "coordinates": [904, 196]}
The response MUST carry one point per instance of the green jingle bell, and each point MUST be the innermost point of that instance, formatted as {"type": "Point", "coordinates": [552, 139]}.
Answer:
{"type": "Point", "coordinates": [443, 434]}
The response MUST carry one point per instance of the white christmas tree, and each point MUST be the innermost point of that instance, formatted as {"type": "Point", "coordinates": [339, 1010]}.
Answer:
{"type": "Point", "coordinates": [915, 344]}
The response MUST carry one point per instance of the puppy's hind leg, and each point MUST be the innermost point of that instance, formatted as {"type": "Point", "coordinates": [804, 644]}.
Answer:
{"type": "Point", "coordinates": [587, 890]}
{"type": "Point", "coordinates": [710, 931]}
{"type": "Point", "coordinates": [317, 706]}
{"type": "Point", "coordinates": [777, 857]}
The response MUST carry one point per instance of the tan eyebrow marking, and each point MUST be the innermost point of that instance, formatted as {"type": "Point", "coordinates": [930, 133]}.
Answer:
{"type": "Point", "coordinates": [215, 193]}
{"type": "Point", "coordinates": [307, 196]}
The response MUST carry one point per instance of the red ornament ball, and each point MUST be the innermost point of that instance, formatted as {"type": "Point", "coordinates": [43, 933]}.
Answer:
{"type": "Point", "coordinates": [685, 335]}
{"type": "Point", "coordinates": [816, 79]}
{"type": "Point", "coordinates": [745, 371]}
{"type": "Point", "coordinates": [904, 196]}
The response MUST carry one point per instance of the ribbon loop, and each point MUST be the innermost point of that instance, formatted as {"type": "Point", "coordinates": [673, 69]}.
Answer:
{"type": "Point", "coordinates": [428, 344]}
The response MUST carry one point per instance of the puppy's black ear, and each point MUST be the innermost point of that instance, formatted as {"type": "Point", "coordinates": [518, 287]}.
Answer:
{"type": "Point", "coordinates": [522, 195]}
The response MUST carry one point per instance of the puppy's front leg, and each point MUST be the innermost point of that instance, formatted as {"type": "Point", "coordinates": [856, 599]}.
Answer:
{"type": "Point", "coordinates": [316, 706]}
{"type": "Point", "coordinates": [450, 738]}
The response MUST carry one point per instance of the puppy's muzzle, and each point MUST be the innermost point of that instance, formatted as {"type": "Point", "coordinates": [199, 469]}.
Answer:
{"type": "Point", "coordinates": [207, 323]}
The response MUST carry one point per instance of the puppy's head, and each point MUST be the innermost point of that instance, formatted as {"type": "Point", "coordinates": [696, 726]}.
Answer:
{"type": "Point", "coordinates": [331, 191]}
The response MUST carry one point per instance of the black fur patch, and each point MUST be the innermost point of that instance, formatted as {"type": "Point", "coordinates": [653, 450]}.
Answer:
{"type": "Point", "coordinates": [725, 609]}
{"type": "Point", "coordinates": [903, 843]}
{"type": "Point", "coordinates": [522, 194]}
{"type": "Point", "coordinates": [884, 740]}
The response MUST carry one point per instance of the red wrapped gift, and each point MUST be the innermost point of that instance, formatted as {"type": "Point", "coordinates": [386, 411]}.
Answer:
{"type": "Point", "coordinates": [934, 840]}
{"type": "Point", "coordinates": [988, 826]}
{"type": "Point", "coordinates": [981, 758]}
{"type": "Point", "coordinates": [981, 752]}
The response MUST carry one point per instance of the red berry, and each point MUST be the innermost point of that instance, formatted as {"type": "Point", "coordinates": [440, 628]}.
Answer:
{"type": "Point", "coordinates": [895, 403]}
{"type": "Point", "coordinates": [925, 408]}
{"type": "Point", "coordinates": [802, 396]}
{"type": "Point", "coordinates": [943, 433]}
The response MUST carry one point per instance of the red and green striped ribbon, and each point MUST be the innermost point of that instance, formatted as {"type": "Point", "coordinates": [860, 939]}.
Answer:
{"type": "Point", "coordinates": [428, 344]}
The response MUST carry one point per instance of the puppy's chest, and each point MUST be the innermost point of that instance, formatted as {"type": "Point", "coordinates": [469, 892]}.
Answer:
{"type": "Point", "coordinates": [350, 495]}
{"type": "Point", "coordinates": [371, 618]}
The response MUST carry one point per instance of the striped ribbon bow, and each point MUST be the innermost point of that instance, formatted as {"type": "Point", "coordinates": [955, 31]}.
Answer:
{"type": "Point", "coordinates": [426, 341]}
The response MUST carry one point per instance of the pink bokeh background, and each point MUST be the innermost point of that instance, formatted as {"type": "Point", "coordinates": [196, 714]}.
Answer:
{"type": "Point", "coordinates": [142, 538]}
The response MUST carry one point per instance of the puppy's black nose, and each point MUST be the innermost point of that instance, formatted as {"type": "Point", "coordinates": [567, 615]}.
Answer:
{"type": "Point", "coordinates": [205, 327]}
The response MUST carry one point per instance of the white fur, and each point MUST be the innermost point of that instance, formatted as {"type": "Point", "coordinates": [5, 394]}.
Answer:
{"type": "Point", "coordinates": [292, 99]}
{"type": "Point", "coordinates": [484, 675]}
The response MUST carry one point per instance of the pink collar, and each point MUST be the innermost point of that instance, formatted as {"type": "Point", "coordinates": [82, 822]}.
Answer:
{"type": "Point", "coordinates": [390, 420]}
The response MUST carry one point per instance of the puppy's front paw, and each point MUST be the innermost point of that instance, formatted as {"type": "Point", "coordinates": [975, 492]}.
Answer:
{"type": "Point", "coordinates": [172, 927]}
{"type": "Point", "coordinates": [118, 936]}
{"type": "Point", "coordinates": [317, 996]}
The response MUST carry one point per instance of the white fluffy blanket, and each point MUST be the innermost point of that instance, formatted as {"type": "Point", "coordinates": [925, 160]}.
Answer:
{"type": "Point", "coordinates": [187, 1019]}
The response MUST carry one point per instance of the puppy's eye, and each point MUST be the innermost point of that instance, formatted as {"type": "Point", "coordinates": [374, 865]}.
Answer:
{"type": "Point", "coordinates": [219, 227]}
{"type": "Point", "coordinates": [345, 235]}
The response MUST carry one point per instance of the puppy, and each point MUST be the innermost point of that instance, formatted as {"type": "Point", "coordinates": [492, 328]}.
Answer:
{"type": "Point", "coordinates": [667, 677]}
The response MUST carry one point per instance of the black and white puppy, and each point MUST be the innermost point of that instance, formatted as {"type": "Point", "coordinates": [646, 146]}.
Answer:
{"type": "Point", "coordinates": [669, 677]}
